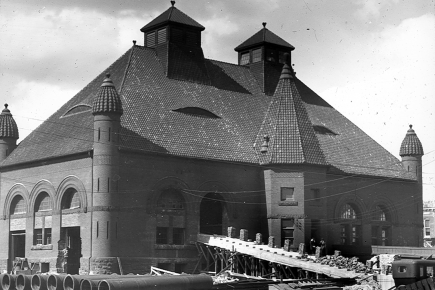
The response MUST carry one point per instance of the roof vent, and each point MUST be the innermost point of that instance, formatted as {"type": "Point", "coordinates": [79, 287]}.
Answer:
{"type": "Point", "coordinates": [323, 130]}
{"type": "Point", "coordinates": [197, 112]}
{"type": "Point", "coordinates": [77, 109]}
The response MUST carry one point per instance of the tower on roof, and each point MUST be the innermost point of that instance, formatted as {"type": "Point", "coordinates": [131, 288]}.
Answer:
{"type": "Point", "coordinates": [411, 151]}
{"type": "Point", "coordinates": [176, 39]}
{"type": "Point", "coordinates": [8, 133]}
{"type": "Point", "coordinates": [265, 54]}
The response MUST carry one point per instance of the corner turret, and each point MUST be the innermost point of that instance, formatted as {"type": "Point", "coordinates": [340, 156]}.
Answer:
{"type": "Point", "coordinates": [411, 151]}
{"type": "Point", "coordinates": [107, 110]}
{"type": "Point", "coordinates": [8, 133]}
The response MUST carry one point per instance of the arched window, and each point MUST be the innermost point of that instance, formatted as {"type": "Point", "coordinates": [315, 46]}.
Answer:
{"type": "Point", "coordinates": [18, 205]}
{"type": "Point", "coordinates": [350, 225]}
{"type": "Point", "coordinates": [347, 212]}
{"type": "Point", "coordinates": [379, 214]}
{"type": "Point", "coordinates": [70, 199]}
{"type": "Point", "coordinates": [170, 199]}
{"type": "Point", "coordinates": [170, 203]}
{"type": "Point", "coordinates": [42, 224]}
{"type": "Point", "coordinates": [43, 202]}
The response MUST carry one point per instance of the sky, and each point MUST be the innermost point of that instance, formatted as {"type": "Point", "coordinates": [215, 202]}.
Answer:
{"type": "Point", "coordinates": [374, 61]}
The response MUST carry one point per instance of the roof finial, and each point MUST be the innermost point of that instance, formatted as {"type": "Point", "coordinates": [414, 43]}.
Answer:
{"type": "Point", "coordinates": [107, 75]}
{"type": "Point", "coordinates": [6, 106]}
{"type": "Point", "coordinates": [410, 126]}
{"type": "Point", "coordinates": [134, 42]}
{"type": "Point", "coordinates": [172, 3]}
{"type": "Point", "coordinates": [264, 24]}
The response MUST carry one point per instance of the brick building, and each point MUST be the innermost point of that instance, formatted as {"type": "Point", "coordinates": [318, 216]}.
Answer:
{"type": "Point", "coordinates": [172, 144]}
{"type": "Point", "coordinates": [429, 223]}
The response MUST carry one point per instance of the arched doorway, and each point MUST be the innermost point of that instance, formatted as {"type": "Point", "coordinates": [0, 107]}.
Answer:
{"type": "Point", "coordinates": [211, 214]}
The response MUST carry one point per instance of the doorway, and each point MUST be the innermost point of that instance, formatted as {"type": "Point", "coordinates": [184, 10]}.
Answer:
{"type": "Point", "coordinates": [18, 245]}
{"type": "Point", "coordinates": [211, 214]}
{"type": "Point", "coordinates": [72, 247]}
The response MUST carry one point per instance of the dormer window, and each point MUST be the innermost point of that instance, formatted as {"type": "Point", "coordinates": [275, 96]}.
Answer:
{"type": "Point", "coordinates": [244, 59]}
{"type": "Point", "coordinates": [151, 39]}
{"type": "Point", "coordinates": [161, 36]}
{"type": "Point", "coordinates": [256, 55]}
{"type": "Point", "coordinates": [271, 55]}
{"type": "Point", "coordinates": [156, 37]}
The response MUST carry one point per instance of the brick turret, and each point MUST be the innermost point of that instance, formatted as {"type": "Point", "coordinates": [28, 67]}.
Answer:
{"type": "Point", "coordinates": [107, 111]}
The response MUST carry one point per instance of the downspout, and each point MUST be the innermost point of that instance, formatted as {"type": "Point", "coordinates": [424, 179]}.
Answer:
{"type": "Point", "coordinates": [91, 154]}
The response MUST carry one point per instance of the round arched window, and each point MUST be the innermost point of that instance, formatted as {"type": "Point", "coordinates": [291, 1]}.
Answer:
{"type": "Point", "coordinates": [18, 205]}
{"type": "Point", "coordinates": [43, 202]}
{"type": "Point", "coordinates": [379, 214]}
{"type": "Point", "coordinates": [347, 212]}
{"type": "Point", "coordinates": [171, 199]}
{"type": "Point", "coordinates": [70, 199]}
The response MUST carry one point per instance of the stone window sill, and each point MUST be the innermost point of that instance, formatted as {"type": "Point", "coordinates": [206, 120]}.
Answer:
{"type": "Point", "coordinates": [288, 203]}
{"type": "Point", "coordinates": [41, 247]}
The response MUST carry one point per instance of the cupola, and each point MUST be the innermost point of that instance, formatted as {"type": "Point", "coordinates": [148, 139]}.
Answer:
{"type": "Point", "coordinates": [264, 53]}
{"type": "Point", "coordinates": [107, 100]}
{"type": "Point", "coordinates": [176, 39]}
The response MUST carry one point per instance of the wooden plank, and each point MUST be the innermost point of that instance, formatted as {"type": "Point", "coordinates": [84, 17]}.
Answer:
{"type": "Point", "coordinates": [425, 284]}
{"type": "Point", "coordinates": [430, 283]}
{"type": "Point", "coordinates": [419, 285]}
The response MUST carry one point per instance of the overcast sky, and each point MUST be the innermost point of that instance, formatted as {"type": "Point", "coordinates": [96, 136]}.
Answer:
{"type": "Point", "coordinates": [374, 61]}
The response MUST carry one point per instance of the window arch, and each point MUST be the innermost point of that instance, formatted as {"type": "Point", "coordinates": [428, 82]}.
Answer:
{"type": "Point", "coordinates": [170, 199]}
{"type": "Point", "coordinates": [42, 221]}
{"type": "Point", "coordinates": [347, 211]}
{"type": "Point", "coordinates": [380, 214]}
{"type": "Point", "coordinates": [71, 199]}
{"type": "Point", "coordinates": [350, 228]}
{"type": "Point", "coordinates": [43, 202]}
{"type": "Point", "coordinates": [172, 208]}
{"type": "Point", "coordinates": [18, 205]}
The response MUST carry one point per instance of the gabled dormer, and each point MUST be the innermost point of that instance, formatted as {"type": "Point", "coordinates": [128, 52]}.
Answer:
{"type": "Point", "coordinates": [264, 54]}
{"type": "Point", "coordinates": [177, 40]}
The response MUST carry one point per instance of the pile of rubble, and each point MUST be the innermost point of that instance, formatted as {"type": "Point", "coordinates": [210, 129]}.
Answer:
{"type": "Point", "coordinates": [351, 264]}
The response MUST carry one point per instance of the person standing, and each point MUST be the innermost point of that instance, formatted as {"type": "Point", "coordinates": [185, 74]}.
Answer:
{"type": "Point", "coordinates": [322, 247]}
{"type": "Point", "coordinates": [313, 246]}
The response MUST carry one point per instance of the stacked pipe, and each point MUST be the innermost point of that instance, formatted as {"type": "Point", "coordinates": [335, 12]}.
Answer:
{"type": "Point", "coordinates": [104, 282]}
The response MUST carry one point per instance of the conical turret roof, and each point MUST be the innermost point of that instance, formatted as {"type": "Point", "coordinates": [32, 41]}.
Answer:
{"type": "Point", "coordinates": [107, 100]}
{"type": "Point", "coordinates": [287, 135]}
{"type": "Point", "coordinates": [411, 145]}
{"type": "Point", "coordinates": [8, 127]}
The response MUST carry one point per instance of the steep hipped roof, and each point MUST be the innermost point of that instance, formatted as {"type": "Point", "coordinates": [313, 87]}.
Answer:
{"type": "Point", "coordinates": [8, 127]}
{"type": "Point", "coordinates": [172, 15]}
{"type": "Point", "coordinates": [261, 37]}
{"type": "Point", "coordinates": [163, 115]}
{"type": "Point", "coordinates": [290, 137]}
{"type": "Point", "coordinates": [411, 145]}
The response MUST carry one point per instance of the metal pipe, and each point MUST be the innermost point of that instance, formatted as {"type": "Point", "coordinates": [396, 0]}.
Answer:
{"type": "Point", "coordinates": [55, 282]}
{"type": "Point", "coordinates": [179, 282]}
{"type": "Point", "coordinates": [39, 282]}
{"type": "Point", "coordinates": [8, 281]}
{"type": "Point", "coordinates": [24, 282]}
{"type": "Point", "coordinates": [73, 282]}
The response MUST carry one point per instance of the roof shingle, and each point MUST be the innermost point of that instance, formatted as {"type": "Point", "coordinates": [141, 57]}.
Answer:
{"type": "Point", "coordinates": [411, 145]}
{"type": "Point", "coordinates": [8, 127]}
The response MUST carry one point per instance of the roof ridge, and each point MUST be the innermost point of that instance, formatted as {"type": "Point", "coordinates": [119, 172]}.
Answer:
{"type": "Point", "coordinates": [127, 67]}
